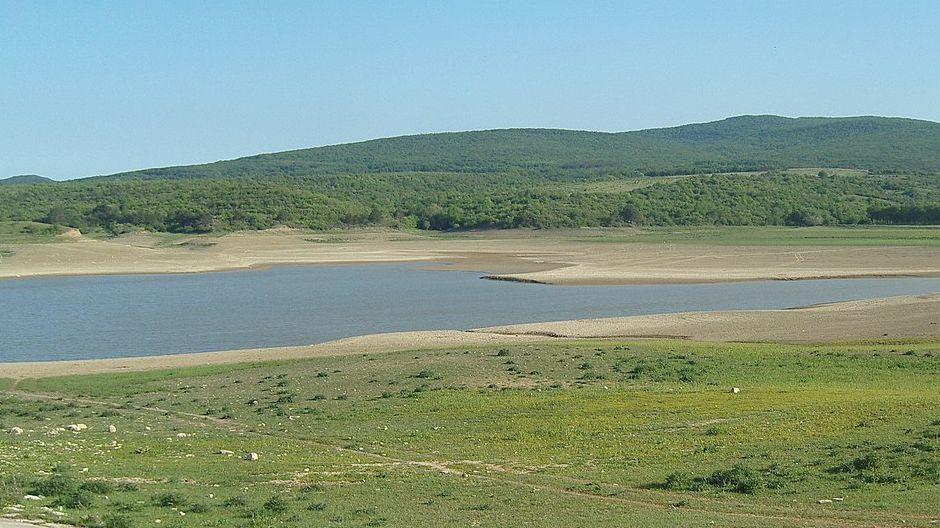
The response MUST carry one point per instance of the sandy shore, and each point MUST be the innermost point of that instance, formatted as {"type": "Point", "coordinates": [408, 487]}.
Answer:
{"type": "Point", "coordinates": [369, 344]}
{"type": "Point", "coordinates": [891, 318]}
{"type": "Point", "coordinates": [916, 317]}
{"type": "Point", "coordinates": [542, 256]}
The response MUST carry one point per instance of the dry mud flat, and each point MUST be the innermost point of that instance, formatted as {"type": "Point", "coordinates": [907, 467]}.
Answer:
{"type": "Point", "coordinates": [891, 318]}
{"type": "Point", "coordinates": [909, 317]}
{"type": "Point", "coordinates": [550, 257]}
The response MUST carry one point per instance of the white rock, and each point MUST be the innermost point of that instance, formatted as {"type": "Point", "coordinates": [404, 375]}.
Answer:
{"type": "Point", "coordinates": [112, 429]}
{"type": "Point", "coordinates": [251, 456]}
{"type": "Point", "coordinates": [824, 501]}
{"type": "Point", "coordinates": [181, 435]}
{"type": "Point", "coordinates": [81, 426]}
{"type": "Point", "coordinates": [73, 427]}
{"type": "Point", "coordinates": [16, 430]}
{"type": "Point", "coordinates": [32, 497]}
{"type": "Point", "coordinates": [226, 452]}
{"type": "Point", "coordinates": [735, 390]}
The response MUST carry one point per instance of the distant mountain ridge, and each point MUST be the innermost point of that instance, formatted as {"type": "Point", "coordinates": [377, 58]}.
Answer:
{"type": "Point", "coordinates": [733, 144]}
{"type": "Point", "coordinates": [24, 179]}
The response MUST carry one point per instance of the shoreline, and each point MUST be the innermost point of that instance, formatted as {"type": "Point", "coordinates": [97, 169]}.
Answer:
{"type": "Point", "coordinates": [889, 318]}
{"type": "Point", "coordinates": [544, 258]}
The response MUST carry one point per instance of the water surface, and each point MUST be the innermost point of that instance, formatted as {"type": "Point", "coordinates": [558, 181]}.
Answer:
{"type": "Point", "coordinates": [54, 318]}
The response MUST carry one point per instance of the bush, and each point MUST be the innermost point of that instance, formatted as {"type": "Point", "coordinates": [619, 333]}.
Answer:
{"type": "Point", "coordinates": [117, 521]}
{"type": "Point", "coordinates": [58, 484]}
{"type": "Point", "coordinates": [76, 499]}
{"type": "Point", "coordinates": [740, 479]}
{"type": "Point", "coordinates": [678, 480]}
{"type": "Point", "coordinates": [276, 505]}
{"type": "Point", "coordinates": [174, 500]}
{"type": "Point", "coordinates": [98, 487]}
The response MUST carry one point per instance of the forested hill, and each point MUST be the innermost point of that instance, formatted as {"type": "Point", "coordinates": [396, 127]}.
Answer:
{"type": "Point", "coordinates": [736, 144]}
{"type": "Point", "coordinates": [24, 179]}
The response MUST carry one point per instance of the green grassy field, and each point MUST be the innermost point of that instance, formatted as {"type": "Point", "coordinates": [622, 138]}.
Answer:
{"type": "Point", "coordinates": [587, 433]}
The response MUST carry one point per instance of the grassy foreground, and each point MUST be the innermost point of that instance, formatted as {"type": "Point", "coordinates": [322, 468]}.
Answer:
{"type": "Point", "coordinates": [577, 433]}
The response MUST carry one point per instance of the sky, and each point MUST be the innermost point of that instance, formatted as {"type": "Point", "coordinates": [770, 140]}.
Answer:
{"type": "Point", "coordinates": [93, 87]}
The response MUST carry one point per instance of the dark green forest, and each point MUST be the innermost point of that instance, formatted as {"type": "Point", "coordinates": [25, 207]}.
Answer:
{"type": "Point", "coordinates": [453, 201]}
{"type": "Point", "coordinates": [530, 178]}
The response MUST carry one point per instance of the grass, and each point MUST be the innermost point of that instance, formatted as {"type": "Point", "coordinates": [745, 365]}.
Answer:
{"type": "Point", "coordinates": [597, 433]}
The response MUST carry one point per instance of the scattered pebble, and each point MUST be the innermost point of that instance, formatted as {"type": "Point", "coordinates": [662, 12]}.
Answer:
{"type": "Point", "coordinates": [251, 456]}
{"type": "Point", "coordinates": [16, 430]}
{"type": "Point", "coordinates": [735, 390]}
{"type": "Point", "coordinates": [112, 429]}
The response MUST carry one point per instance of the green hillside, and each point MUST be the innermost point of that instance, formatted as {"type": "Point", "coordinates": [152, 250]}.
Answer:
{"type": "Point", "coordinates": [746, 171]}
{"type": "Point", "coordinates": [24, 179]}
{"type": "Point", "coordinates": [735, 144]}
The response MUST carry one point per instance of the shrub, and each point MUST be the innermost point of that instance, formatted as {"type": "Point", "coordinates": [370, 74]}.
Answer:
{"type": "Point", "coordinates": [276, 505]}
{"type": "Point", "coordinates": [678, 480]}
{"type": "Point", "coordinates": [117, 521]}
{"type": "Point", "coordinates": [236, 501]}
{"type": "Point", "coordinates": [740, 479]}
{"type": "Point", "coordinates": [174, 500]}
{"type": "Point", "coordinates": [98, 487]}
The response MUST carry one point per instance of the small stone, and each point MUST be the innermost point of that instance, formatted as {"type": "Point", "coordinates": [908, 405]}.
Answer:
{"type": "Point", "coordinates": [81, 426]}
{"type": "Point", "coordinates": [73, 427]}
{"type": "Point", "coordinates": [226, 452]}
{"type": "Point", "coordinates": [824, 501]}
{"type": "Point", "coordinates": [735, 390]}
{"type": "Point", "coordinates": [112, 429]}
{"type": "Point", "coordinates": [181, 435]}
{"type": "Point", "coordinates": [16, 430]}
{"type": "Point", "coordinates": [251, 456]}
{"type": "Point", "coordinates": [32, 497]}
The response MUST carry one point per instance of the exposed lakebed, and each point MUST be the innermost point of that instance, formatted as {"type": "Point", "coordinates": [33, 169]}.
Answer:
{"type": "Point", "coordinates": [57, 318]}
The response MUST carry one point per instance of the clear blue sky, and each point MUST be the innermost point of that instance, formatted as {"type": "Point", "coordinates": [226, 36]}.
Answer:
{"type": "Point", "coordinates": [100, 87]}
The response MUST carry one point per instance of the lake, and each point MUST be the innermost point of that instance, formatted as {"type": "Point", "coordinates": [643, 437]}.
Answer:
{"type": "Point", "coordinates": [55, 318]}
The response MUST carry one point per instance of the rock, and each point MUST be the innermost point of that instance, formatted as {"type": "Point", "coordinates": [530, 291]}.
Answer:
{"type": "Point", "coordinates": [16, 430]}
{"type": "Point", "coordinates": [81, 426]}
{"type": "Point", "coordinates": [32, 497]}
{"type": "Point", "coordinates": [251, 456]}
{"type": "Point", "coordinates": [226, 452]}
{"type": "Point", "coordinates": [824, 501]}
{"type": "Point", "coordinates": [181, 435]}
{"type": "Point", "coordinates": [735, 390]}
{"type": "Point", "coordinates": [112, 429]}
{"type": "Point", "coordinates": [73, 427]}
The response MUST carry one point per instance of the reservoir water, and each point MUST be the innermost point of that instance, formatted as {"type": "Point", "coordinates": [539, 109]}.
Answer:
{"type": "Point", "coordinates": [55, 318]}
